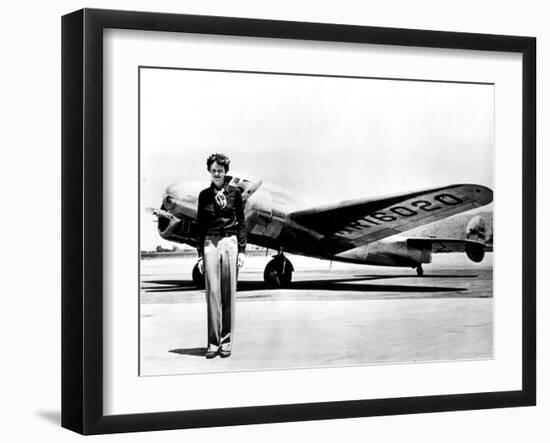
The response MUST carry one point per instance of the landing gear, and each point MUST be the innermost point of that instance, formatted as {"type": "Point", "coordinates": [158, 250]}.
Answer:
{"type": "Point", "coordinates": [278, 272]}
{"type": "Point", "coordinates": [198, 278]}
{"type": "Point", "coordinates": [419, 271]}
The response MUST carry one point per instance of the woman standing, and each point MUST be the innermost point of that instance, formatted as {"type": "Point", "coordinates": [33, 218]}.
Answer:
{"type": "Point", "coordinates": [221, 244]}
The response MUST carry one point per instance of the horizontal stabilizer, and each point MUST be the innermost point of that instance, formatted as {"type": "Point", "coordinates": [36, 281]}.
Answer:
{"type": "Point", "coordinates": [439, 245]}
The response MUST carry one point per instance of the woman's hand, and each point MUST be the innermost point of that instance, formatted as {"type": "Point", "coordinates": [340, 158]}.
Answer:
{"type": "Point", "coordinates": [201, 265]}
{"type": "Point", "coordinates": [240, 260]}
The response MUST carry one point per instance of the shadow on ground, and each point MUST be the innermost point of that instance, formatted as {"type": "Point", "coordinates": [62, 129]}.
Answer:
{"type": "Point", "coordinates": [335, 284]}
{"type": "Point", "coordinates": [195, 352]}
{"type": "Point", "coordinates": [170, 285]}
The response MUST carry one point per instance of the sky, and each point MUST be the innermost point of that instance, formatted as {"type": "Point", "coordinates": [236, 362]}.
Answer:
{"type": "Point", "coordinates": [323, 139]}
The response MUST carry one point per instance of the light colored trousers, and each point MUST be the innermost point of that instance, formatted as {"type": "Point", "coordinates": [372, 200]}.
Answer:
{"type": "Point", "coordinates": [220, 269]}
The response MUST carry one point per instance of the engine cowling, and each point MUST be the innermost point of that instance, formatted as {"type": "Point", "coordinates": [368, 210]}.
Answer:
{"type": "Point", "coordinates": [474, 252]}
{"type": "Point", "coordinates": [476, 229]}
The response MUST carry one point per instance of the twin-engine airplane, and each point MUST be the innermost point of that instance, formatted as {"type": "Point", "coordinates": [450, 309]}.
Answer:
{"type": "Point", "coordinates": [355, 231]}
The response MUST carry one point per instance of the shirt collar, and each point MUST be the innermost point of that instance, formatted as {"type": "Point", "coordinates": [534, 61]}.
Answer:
{"type": "Point", "coordinates": [224, 186]}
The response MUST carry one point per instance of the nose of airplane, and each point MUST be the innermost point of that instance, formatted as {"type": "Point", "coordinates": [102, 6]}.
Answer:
{"type": "Point", "coordinates": [181, 198]}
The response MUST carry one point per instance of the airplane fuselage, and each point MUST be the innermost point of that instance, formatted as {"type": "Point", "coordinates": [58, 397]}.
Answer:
{"type": "Point", "coordinates": [269, 225]}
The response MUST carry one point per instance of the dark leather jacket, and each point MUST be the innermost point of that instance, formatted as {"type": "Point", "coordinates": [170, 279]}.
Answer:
{"type": "Point", "coordinates": [211, 219]}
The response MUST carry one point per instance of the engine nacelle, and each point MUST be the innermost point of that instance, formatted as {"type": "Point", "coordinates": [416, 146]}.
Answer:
{"type": "Point", "coordinates": [475, 252]}
{"type": "Point", "coordinates": [476, 230]}
{"type": "Point", "coordinates": [173, 229]}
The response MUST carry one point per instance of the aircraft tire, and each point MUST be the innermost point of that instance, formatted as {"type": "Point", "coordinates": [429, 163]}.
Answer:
{"type": "Point", "coordinates": [198, 278]}
{"type": "Point", "coordinates": [278, 273]}
{"type": "Point", "coordinates": [419, 271]}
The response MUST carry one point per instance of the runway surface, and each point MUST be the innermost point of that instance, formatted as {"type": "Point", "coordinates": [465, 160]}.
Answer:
{"type": "Point", "coordinates": [333, 315]}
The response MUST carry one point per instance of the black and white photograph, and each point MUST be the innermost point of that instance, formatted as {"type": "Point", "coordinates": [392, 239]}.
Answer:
{"type": "Point", "coordinates": [273, 222]}
{"type": "Point", "coordinates": [295, 221]}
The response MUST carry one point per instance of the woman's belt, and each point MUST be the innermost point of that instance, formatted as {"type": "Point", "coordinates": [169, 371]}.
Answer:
{"type": "Point", "coordinates": [221, 233]}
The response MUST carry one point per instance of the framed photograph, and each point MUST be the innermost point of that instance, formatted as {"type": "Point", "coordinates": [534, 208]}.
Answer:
{"type": "Point", "coordinates": [269, 221]}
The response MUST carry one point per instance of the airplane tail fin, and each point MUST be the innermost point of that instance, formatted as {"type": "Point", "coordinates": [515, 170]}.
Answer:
{"type": "Point", "coordinates": [246, 187]}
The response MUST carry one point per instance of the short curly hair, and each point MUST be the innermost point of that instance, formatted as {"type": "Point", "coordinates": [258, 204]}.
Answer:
{"type": "Point", "coordinates": [220, 159]}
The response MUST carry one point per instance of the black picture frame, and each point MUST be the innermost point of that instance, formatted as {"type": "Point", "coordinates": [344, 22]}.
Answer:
{"type": "Point", "coordinates": [82, 220]}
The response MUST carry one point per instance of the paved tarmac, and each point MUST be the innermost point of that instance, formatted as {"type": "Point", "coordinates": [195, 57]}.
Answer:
{"type": "Point", "coordinates": [333, 315]}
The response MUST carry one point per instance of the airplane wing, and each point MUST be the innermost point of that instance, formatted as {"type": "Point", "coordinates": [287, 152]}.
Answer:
{"type": "Point", "coordinates": [356, 222]}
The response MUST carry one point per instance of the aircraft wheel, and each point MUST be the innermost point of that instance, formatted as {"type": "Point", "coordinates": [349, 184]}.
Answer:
{"type": "Point", "coordinates": [419, 271]}
{"type": "Point", "coordinates": [198, 278]}
{"type": "Point", "coordinates": [278, 273]}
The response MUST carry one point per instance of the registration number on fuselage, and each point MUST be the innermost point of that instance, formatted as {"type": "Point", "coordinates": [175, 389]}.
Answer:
{"type": "Point", "coordinates": [405, 210]}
